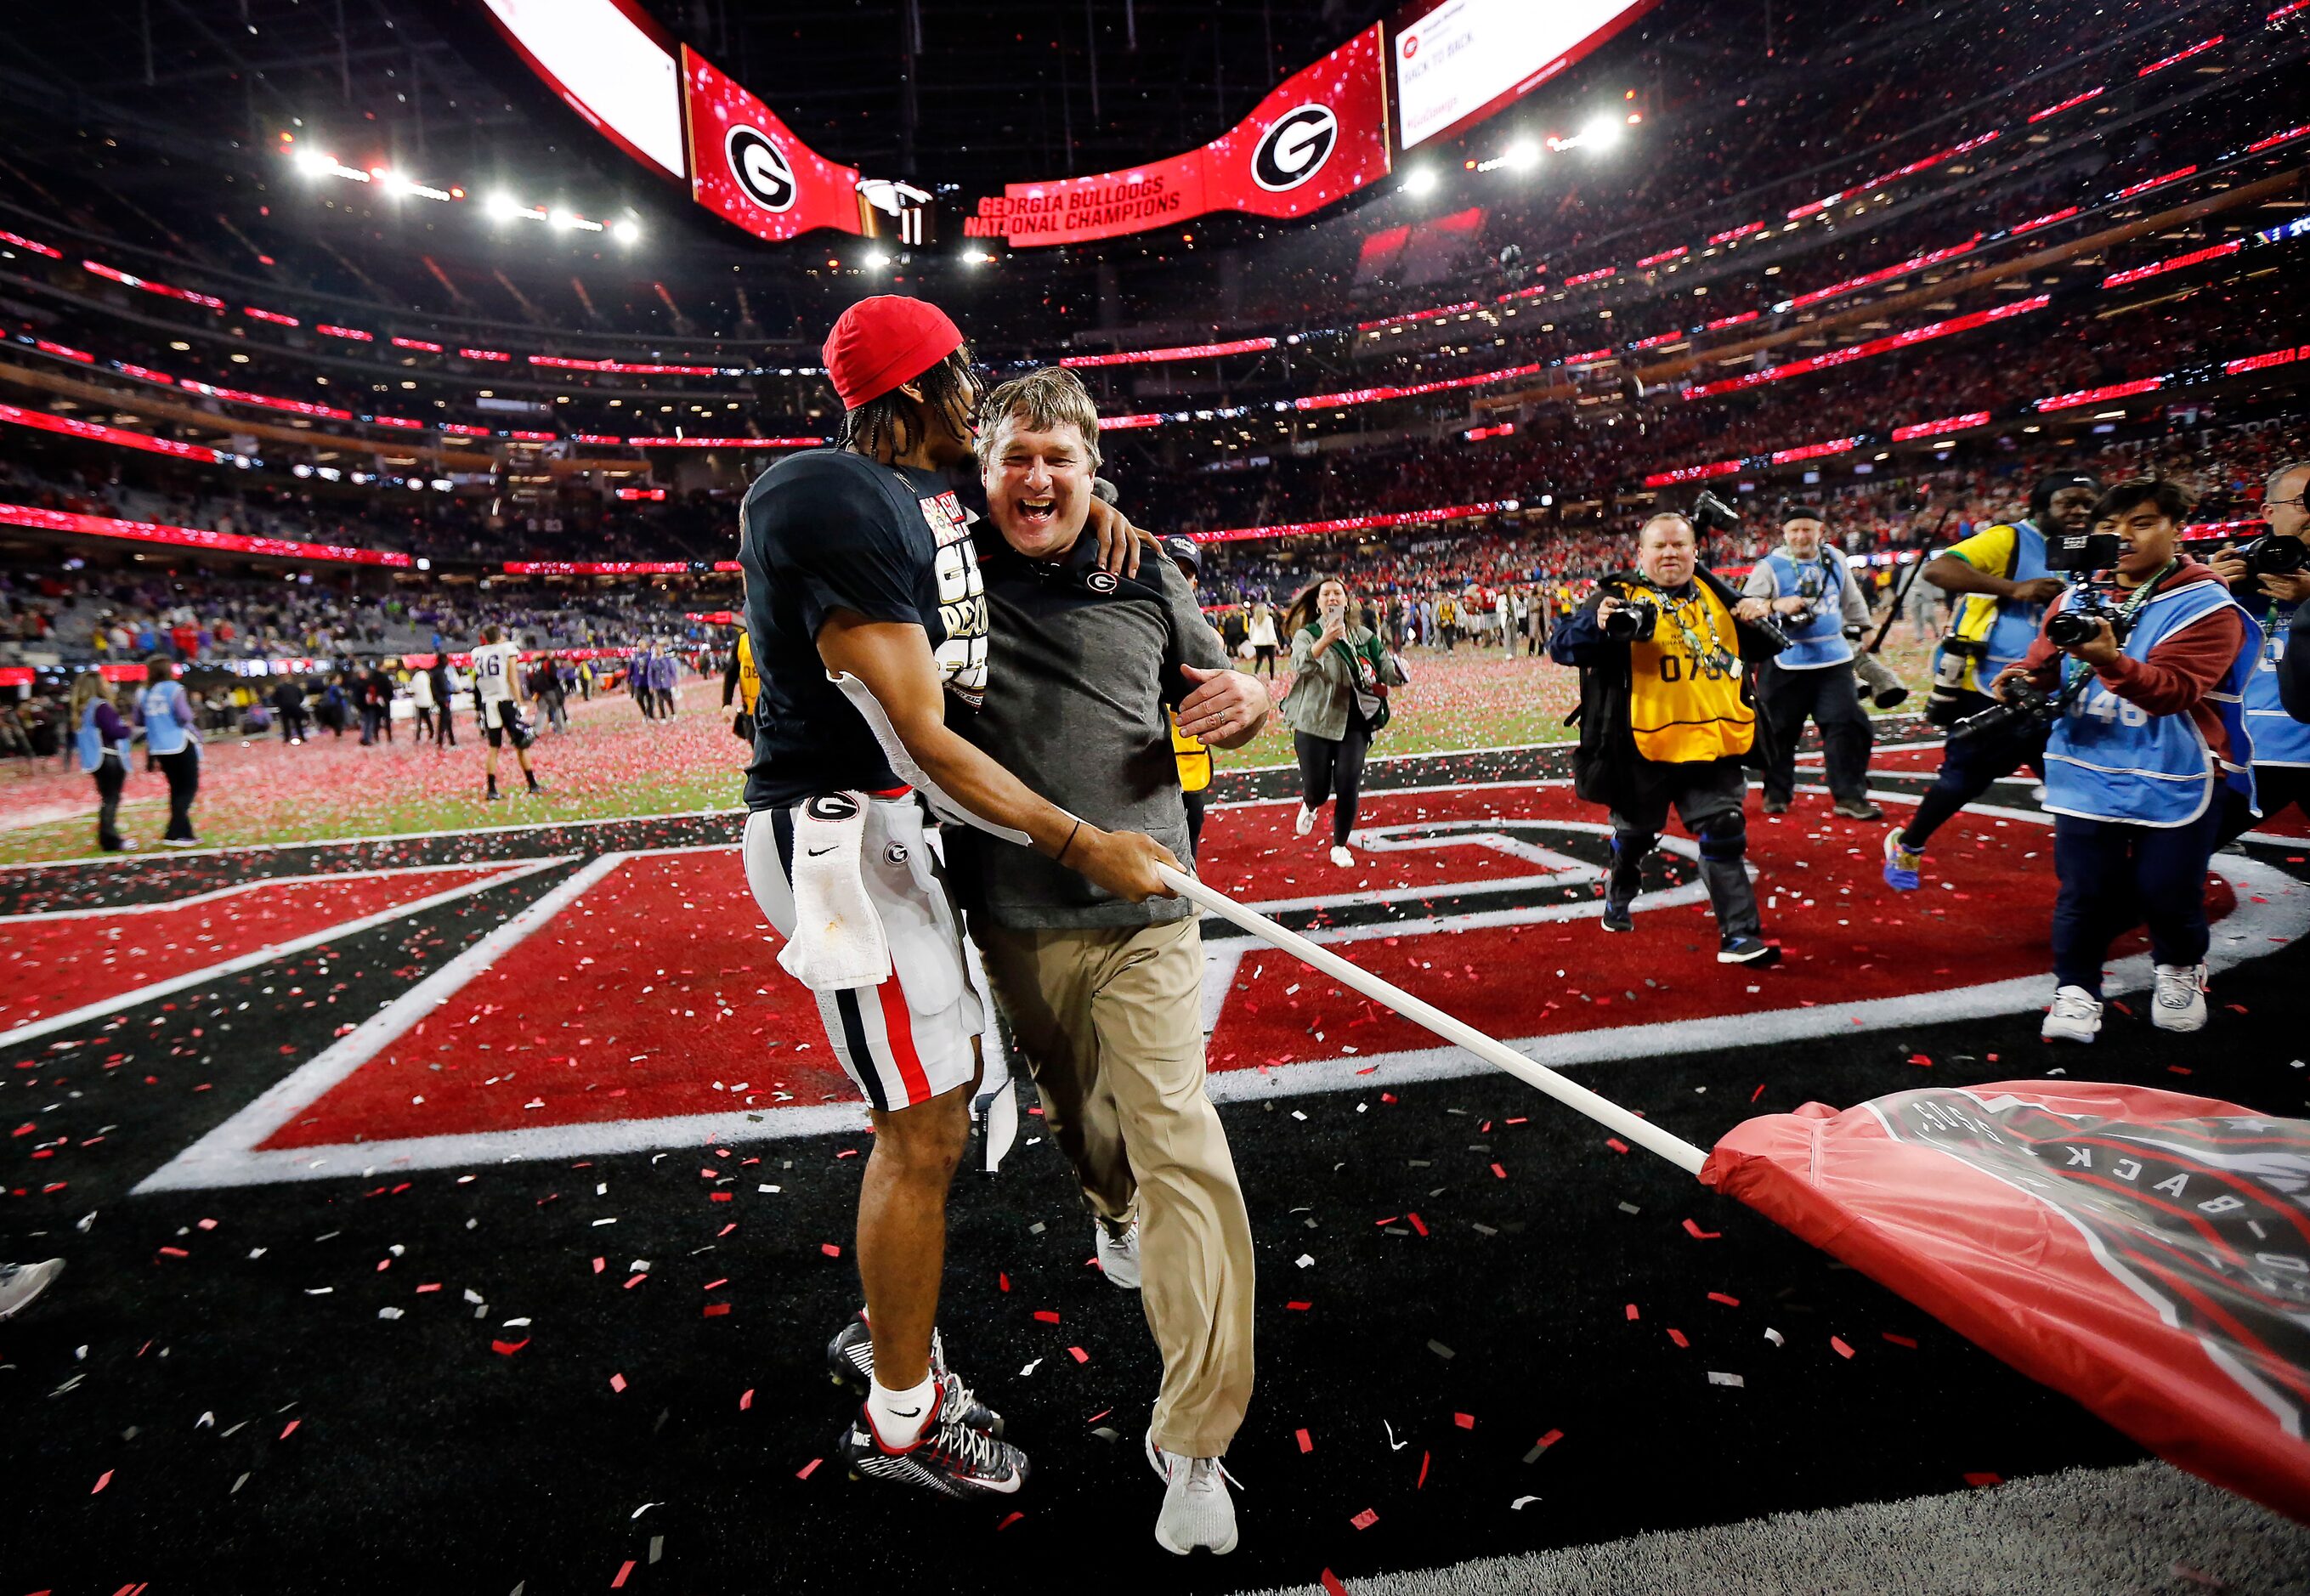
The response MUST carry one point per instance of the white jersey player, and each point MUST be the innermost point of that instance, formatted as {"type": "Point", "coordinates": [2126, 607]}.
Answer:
{"type": "Point", "coordinates": [497, 699]}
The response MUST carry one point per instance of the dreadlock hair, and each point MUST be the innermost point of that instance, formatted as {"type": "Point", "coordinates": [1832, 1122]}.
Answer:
{"type": "Point", "coordinates": [889, 424]}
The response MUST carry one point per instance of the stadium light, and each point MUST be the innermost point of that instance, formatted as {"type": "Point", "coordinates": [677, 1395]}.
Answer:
{"type": "Point", "coordinates": [1601, 133]}
{"type": "Point", "coordinates": [313, 163]}
{"type": "Point", "coordinates": [876, 260]}
{"type": "Point", "coordinates": [503, 207]}
{"type": "Point", "coordinates": [1420, 180]}
{"type": "Point", "coordinates": [627, 232]}
{"type": "Point", "coordinates": [1521, 156]}
{"type": "Point", "coordinates": [562, 220]}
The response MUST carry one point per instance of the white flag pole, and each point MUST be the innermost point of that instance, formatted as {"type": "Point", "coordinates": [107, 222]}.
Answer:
{"type": "Point", "coordinates": [1603, 1110]}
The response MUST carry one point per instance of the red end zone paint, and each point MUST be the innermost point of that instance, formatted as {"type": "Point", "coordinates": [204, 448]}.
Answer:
{"type": "Point", "coordinates": [61, 962]}
{"type": "Point", "coordinates": [643, 964]}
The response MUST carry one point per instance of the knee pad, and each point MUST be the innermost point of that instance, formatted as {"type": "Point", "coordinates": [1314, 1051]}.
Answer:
{"type": "Point", "coordinates": [1725, 838]}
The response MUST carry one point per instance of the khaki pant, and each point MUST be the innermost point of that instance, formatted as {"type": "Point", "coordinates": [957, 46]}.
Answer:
{"type": "Point", "coordinates": [1111, 1025]}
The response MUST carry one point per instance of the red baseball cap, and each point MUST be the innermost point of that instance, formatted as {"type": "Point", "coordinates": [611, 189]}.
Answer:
{"type": "Point", "coordinates": [884, 340]}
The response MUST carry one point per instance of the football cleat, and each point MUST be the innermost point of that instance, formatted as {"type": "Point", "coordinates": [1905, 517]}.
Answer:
{"type": "Point", "coordinates": [850, 1359]}
{"type": "Point", "coordinates": [950, 1458]}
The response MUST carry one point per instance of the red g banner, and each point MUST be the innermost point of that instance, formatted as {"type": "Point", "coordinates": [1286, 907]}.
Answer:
{"type": "Point", "coordinates": [747, 167]}
{"type": "Point", "coordinates": [1319, 137]}
{"type": "Point", "coordinates": [2144, 1252]}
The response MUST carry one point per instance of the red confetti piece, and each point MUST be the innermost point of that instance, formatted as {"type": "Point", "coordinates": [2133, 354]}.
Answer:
{"type": "Point", "coordinates": [1307, 1442]}
{"type": "Point", "coordinates": [1002, 1280]}
{"type": "Point", "coordinates": [1501, 1171]}
{"type": "Point", "coordinates": [1423, 1472]}
{"type": "Point", "coordinates": [1758, 1093]}
{"type": "Point", "coordinates": [429, 1286]}
{"type": "Point", "coordinates": [1413, 1219]}
{"type": "Point", "coordinates": [1009, 1519]}
{"type": "Point", "coordinates": [1633, 1315]}
{"type": "Point", "coordinates": [1362, 1521]}
{"type": "Point", "coordinates": [1908, 1342]}
{"type": "Point", "coordinates": [618, 1584]}
{"type": "Point", "coordinates": [291, 1429]}
{"type": "Point", "coordinates": [1839, 1343]}
{"type": "Point", "coordinates": [1047, 1315]}
{"type": "Point", "coordinates": [636, 1281]}
{"type": "Point", "coordinates": [1466, 1421]}
{"type": "Point", "coordinates": [746, 1400]}
{"type": "Point", "coordinates": [599, 1265]}
{"type": "Point", "coordinates": [617, 1382]}
{"type": "Point", "coordinates": [174, 1252]}
{"type": "Point", "coordinates": [1980, 1481]}
{"type": "Point", "coordinates": [718, 1196]}
{"type": "Point", "coordinates": [1549, 1440]}
{"type": "Point", "coordinates": [829, 1249]}
{"type": "Point", "coordinates": [1078, 1355]}
{"type": "Point", "coordinates": [716, 1284]}
{"type": "Point", "coordinates": [1730, 1302]}
{"type": "Point", "coordinates": [1697, 1233]}
{"type": "Point", "coordinates": [1919, 1058]}
{"type": "Point", "coordinates": [808, 1469]}
{"type": "Point", "coordinates": [1332, 1586]}
{"type": "Point", "coordinates": [103, 1480]}
{"type": "Point", "coordinates": [507, 1349]}
{"type": "Point", "coordinates": [1298, 1307]}
{"type": "Point", "coordinates": [715, 1310]}
{"type": "Point", "coordinates": [1616, 1144]}
{"type": "Point", "coordinates": [1678, 1337]}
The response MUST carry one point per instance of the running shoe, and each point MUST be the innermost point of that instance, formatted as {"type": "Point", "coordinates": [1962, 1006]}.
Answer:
{"type": "Point", "coordinates": [1858, 808]}
{"type": "Point", "coordinates": [1748, 951]}
{"type": "Point", "coordinates": [850, 1359]}
{"type": "Point", "coordinates": [1198, 1514]}
{"type": "Point", "coordinates": [1618, 912]}
{"type": "Point", "coordinates": [953, 1457]}
{"type": "Point", "coordinates": [1119, 1254]}
{"type": "Point", "coordinates": [20, 1283]}
{"type": "Point", "coordinates": [2180, 1005]}
{"type": "Point", "coordinates": [1304, 823]}
{"type": "Point", "coordinates": [1341, 857]}
{"type": "Point", "coordinates": [1776, 806]}
{"type": "Point", "coordinates": [2075, 1016]}
{"type": "Point", "coordinates": [1902, 863]}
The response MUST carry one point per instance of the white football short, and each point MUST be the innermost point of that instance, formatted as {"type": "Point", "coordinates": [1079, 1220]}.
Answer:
{"type": "Point", "coordinates": [911, 1038]}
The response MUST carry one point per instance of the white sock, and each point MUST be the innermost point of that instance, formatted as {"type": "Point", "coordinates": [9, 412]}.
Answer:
{"type": "Point", "coordinates": [899, 1417]}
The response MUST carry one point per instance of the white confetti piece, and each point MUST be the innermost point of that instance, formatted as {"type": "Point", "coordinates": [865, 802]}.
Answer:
{"type": "Point", "coordinates": [1719, 1377]}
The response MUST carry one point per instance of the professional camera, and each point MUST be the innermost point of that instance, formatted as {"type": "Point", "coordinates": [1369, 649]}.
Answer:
{"type": "Point", "coordinates": [1712, 513]}
{"type": "Point", "coordinates": [2077, 620]}
{"type": "Point", "coordinates": [1632, 623]}
{"type": "Point", "coordinates": [2269, 555]}
{"type": "Point", "coordinates": [2024, 707]}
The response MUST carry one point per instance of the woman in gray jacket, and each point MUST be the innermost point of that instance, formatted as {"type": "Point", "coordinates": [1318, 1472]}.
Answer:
{"type": "Point", "coordinates": [1334, 662]}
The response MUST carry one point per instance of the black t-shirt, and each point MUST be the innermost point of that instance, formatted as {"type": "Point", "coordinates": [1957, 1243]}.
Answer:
{"type": "Point", "coordinates": [826, 530]}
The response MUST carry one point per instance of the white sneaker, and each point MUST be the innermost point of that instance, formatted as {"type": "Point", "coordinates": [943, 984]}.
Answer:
{"type": "Point", "coordinates": [2181, 1001]}
{"type": "Point", "coordinates": [1118, 1255]}
{"type": "Point", "coordinates": [2076, 1016]}
{"type": "Point", "coordinates": [1198, 1513]}
{"type": "Point", "coordinates": [2037, 793]}
{"type": "Point", "coordinates": [1304, 823]}
{"type": "Point", "coordinates": [20, 1283]}
{"type": "Point", "coordinates": [1341, 857]}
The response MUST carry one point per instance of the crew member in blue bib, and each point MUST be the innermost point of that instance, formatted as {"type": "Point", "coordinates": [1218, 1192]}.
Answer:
{"type": "Point", "coordinates": [2279, 599]}
{"type": "Point", "coordinates": [2150, 736]}
{"type": "Point", "coordinates": [1814, 598]}
{"type": "Point", "coordinates": [174, 742]}
{"type": "Point", "coordinates": [1999, 580]}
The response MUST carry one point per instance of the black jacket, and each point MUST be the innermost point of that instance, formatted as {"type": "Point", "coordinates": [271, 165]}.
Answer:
{"type": "Point", "coordinates": [2294, 667]}
{"type": "Point", "coordinates": [1607, 755]}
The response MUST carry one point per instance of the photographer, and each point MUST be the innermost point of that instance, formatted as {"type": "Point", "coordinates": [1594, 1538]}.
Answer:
{"type": "Point", "coordinates": [2268, 577]}
{"type": "Point", "coordinates": [2145, 733]}
{"type": "Point", "coordinates": [1664, 720]}
{"type": "Point", "coordinates": [1999, 580]}
{"type": "Point", "coordinates": [1812, 594]}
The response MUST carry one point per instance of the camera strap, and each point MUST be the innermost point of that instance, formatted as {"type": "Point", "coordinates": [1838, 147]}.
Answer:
{"type": "Point", "coordinates": [1706, 650]}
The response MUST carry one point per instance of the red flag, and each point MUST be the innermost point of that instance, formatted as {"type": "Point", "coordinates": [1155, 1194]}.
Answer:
{"type": "Point", "coordinates": [2144, 1252]}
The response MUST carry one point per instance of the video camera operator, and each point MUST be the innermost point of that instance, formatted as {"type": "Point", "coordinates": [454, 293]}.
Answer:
{"type": "Point", "coordinates": [2140, 689]}
{"type": "Point", "coordinates": [1665, 719]}
{"type": "Point", "coordinates": [1818, 604]}
{"type": "Point", "coordinates": [2271, 577]}
{"type": "Point", "coordinates": [2002, 585]}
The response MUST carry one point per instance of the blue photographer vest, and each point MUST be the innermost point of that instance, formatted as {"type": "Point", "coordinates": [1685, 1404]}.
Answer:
{"type": "Point", "coordinates": [2110, 759]}
{"type": "Point", "coordinates": [162, 734]}
{"type": "Point", "coordinates": [2279, 739]}
{"type": "Point", "coordinates": [1820, 641]}
{"type": "Point", "coordinates": [2005, 630]}
{"type": "Point", "coordinates": [92, 743]}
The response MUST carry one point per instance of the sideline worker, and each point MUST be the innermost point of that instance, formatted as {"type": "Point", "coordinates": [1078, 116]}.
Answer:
{"type": "Point", "coordinates": [1812, 590]}
{"type": "Point", "coordinates": [1664, 720]}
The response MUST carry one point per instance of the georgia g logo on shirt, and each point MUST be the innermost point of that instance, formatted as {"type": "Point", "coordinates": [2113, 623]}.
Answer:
{"type": "Point", "coordinates": [1295, 148]}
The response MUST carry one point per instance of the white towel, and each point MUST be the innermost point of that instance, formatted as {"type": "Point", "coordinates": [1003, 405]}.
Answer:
{"type": "Point", "coordinates": [838, 942]}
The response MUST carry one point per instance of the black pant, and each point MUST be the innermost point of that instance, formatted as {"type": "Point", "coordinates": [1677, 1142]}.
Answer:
{"type": "Point", "coordinates": [1194, 802]}
{"type": "Point", "coordinates": [2275, 786]}
{"type": "Point", "coordinates": [111, 775]}
{"type": "Point", "coordinates": [292, 725]}
{"type": "Point", "coordinates": [1264, 654]}
{"type": "Point", "coordinates": [1785, 700]}
{"type": "Point", "coordinates": [183, 770]}
{"type": "Point", "coordinates": [1970, 765]}
{"type": "Point", "coordinates": [445, 726]}
{"type": "Point", "coordinates": [2116, 876]}
{"type": "Point", "coordinates": [424, 721]}
{"type": "Point", "coordinates": [1708, 795]}
{"type": "Point", "coordinates": [1327, 767]}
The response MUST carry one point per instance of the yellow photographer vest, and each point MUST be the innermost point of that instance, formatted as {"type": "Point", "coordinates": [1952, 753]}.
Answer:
{"type": "Point", "coordinates": [1195, 759]}
{"type": "Point", "coordinates": [1682, 709]}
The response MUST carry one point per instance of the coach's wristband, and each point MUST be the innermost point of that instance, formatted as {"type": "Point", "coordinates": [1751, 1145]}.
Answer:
{"type": "Point", "coordinates": [1061, 856]}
